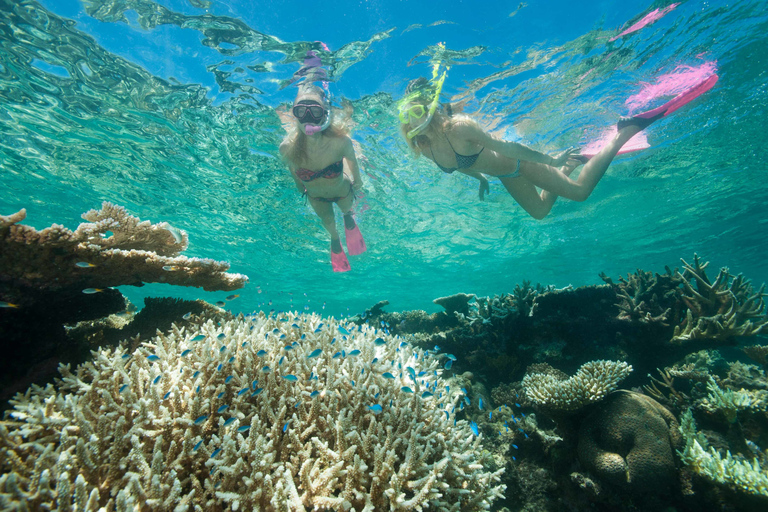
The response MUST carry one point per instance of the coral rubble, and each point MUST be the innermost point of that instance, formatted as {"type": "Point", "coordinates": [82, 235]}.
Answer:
{"type": "Point", "coordinates": [291, 413]}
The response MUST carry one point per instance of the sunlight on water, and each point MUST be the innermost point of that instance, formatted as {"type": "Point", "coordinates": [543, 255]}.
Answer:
{"type": "Point", "coordinates": [171, 111]}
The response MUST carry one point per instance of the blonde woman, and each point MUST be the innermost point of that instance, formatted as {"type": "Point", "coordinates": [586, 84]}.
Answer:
{"type": "Point", "coordinates": [458, 143]}
{"type": "Point", "coordinates": [322, 162]}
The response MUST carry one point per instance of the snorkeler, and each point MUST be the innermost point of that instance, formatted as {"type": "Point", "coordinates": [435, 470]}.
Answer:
{"type": "Point", "coordinates": [315, 152]}
{"type": "Point", "coordinates": [458, 143]}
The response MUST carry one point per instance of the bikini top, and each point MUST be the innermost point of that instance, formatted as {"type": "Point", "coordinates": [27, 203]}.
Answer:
{"type": "Point", "coordinates": [332, 171]}
{"type": "Point", "coordinates": [462, 161]}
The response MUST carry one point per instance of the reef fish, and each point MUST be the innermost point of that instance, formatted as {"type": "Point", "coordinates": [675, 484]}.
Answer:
{"type": "Point", "coordinates": [84, 264]}
{"type": "Point", "coordinates": [291, 378]}
{"type": "Point", "coordinates": [375, 409]}
{"type": "Point", "coordinates": [315, 353]}
{"type": "Point", "coordinates": [474, 428]}
{"type": "Point", "coordinates": [201, 419]}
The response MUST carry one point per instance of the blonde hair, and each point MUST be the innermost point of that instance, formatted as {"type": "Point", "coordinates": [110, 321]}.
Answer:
{"type": "Point", "coordinates": [439, 124]}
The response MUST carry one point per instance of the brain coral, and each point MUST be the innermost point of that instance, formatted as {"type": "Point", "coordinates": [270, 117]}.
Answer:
{"type": "Point", "coordinates": [630, 440]}
{"type": "Point", "coordinates": [260, 413]}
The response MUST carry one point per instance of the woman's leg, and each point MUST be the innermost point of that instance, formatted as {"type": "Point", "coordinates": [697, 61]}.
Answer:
{"type": "Point", "coordinates": [345, 205]}
{"type": "Point", "coordinates": [555, 182]}
{"type": "Point", "coordinates": [537, 204]}
{"type": "Point", "coordinates": [324, 210]}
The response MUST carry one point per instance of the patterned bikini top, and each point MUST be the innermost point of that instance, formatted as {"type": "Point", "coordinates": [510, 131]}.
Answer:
{"type": "Point", "coordinates": [332, 171]}
{"type": "Point", "coordinates": [462, 161]}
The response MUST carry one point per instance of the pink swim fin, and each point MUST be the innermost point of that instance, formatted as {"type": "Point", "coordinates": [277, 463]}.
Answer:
{"type": "Point", "coordinates": [355, 242]}
{"type": "Point", "coordinates": [672, 105]}
{"type": "Point", "coordinates": [339, 262]}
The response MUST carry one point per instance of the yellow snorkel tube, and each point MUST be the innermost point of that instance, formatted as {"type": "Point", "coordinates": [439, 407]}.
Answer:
{"type": "Point", "coordinates": [437, 83]}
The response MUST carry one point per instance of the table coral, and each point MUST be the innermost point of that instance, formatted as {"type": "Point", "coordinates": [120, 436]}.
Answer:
{"type": "Point", "coordinates": [592, 382]}
{"type": "Point", "coordinates": [629, 440]}
{"type": "Point", "coordinates": [292, 413]}
{"type": "Point", "coordinates": [113, 248]}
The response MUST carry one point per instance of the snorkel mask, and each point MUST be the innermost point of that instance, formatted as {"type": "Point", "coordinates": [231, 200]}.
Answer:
{"type": "Point", "coordinates": [311, 92]}
{"type": "Point", "coordinates": [417, 111]}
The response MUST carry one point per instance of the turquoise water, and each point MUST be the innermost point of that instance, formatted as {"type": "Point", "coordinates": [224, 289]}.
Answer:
{"type": "Point", "coordinates": [169, 109]}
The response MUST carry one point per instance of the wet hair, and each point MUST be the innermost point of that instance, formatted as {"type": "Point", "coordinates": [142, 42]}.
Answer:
{"type": "Point", "coordinates": [423, 93]}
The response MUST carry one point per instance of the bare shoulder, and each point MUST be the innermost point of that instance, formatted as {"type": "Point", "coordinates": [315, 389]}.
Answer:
{"type": "Point", "coordinates": [464, 127]}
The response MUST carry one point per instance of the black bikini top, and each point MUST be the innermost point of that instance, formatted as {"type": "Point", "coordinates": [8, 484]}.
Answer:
{"type": "Point", "coordinates": [462, 161]}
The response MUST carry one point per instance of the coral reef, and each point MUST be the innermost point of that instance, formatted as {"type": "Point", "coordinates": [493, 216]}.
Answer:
{"type": "Point", "coordinates": [730, 402]}
{"type": "Point", "coordinates": [112, 249]}
{"type": "Point", "coordinates": [646, 296]}
{"type": "Point", "coordinates": [721, 309]}
{"type": "Point", "coordinates": [294, 412]}
{"type": "Point", "coordinates": [592, 382]}
{"type": "Point", "coordinates": [735, 471]}
{"type": "Point", "coordinates": [629, 440]}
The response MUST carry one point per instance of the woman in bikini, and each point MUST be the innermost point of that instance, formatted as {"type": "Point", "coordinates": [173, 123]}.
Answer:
{"type": "Point", "coordinates": [458, 143]}
{"type": "Point", "coordinates": [316, 152]}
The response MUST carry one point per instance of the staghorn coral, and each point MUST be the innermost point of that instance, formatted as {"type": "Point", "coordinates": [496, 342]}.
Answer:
{"type": "Point", "coordinates": [263, 413]}
{"type": "Point", "coordinates": [629, 440]}
{"type": "Point", "coordinates": [758, 353]}
{"type": "Point", "coordinates": [121, 249]}
{"type": "Point", "coordinates": [592, 382]}
{"type": "Point", "coordinates": [721, 309]}
{"type": "Point", "coordinates": [730, 402]}
{"type": "Point", "coordinates": [646, 296]}
{"type": "Point", "coordinates": [735, 471]}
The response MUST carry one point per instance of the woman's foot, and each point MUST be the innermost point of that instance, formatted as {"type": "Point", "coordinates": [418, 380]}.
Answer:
{"type": "Point", "coordinates": [349, 221]}
{"type": "Point", "coordinates": [339, 260]}
{"type": "Point", "coordinates": [336, 245]}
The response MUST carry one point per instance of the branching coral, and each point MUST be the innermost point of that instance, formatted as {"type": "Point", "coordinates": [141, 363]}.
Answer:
{"type": "Point", "coordinates": [592, 382]}
{"type": "Point", "coordinates": [734, 471]}
{"type": "Point", "coordinates": [730, 402]}
{"type": "Point", "coordinates": [291, 413]}
{"type": "Point", "coordinates": [721, 309]}
{"type": "Point", "coordinates": [112, 249]}
{"type": "Point", "coordinates": [645, 296]}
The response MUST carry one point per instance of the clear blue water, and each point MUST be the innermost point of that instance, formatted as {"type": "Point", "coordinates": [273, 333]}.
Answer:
{"type": "Point", "coordinates": [168, 108]}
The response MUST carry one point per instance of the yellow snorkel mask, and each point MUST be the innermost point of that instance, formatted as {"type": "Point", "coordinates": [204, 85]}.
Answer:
{"type": "Point", "coordinates": [417, 111]}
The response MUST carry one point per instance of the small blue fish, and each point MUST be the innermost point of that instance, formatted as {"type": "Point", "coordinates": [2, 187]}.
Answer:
{"type": "Point", "coordinates": [194, 375]}
{"type": "Point", "coordinates": [406, 389]}
{"type": "Point", "coordinates": [410, 371]}
{"type": "Point", "coordinates": [215, 452]}
{"type": "Point", "coordinates": [242, 391]}
{"type": "Point", "coordinates": [226, 381]}
{"type": "Point", "coordinates": [297, 404]}
{"type": "Point", "coordinates": [466, 400]}
{"type": "Point", "coordinates": [244, 428]}
{"type": "Point", "coordinates": [201, 419]}
{"type": "Point", "coordinates": [375, 360]}
{"type": "Point", "coordinates": [315, 353]}
{"type": "Point", "coordinates": [518, 405]}
{"type": "Point", "coordinates": [343, 331]}
{"type": "Point", "coordinates": [403, 344]}
{"type": "Point", "coordinates": [258, 391]}
{"type": "Point", "coordinates": [448, 364]}
{"type": "Point", "coordinates": [231, 359]}
{"type": "Point", "coordinates": [379, 341]}
{"type": "Point", "coordinates": [451, 357]}
{"type": "Point", "coordinates": [266, 369]}
{"type": "Point", "coordinates": [388, 375]}
{"type": "Point", "coordinates": [291, 378]}
{"type": "Point", "coordinates": [254, 383]}
{"type": "Point", "coordinates": [354, 353]}
{"type": "Point", "coordinates": [166, 395]}
{"type": "Point", "coordinates": [152, 358]}
{"type": "Point", "coordinates": [314, 394]}
{"type": "Point", "coordinates": [218, 368]}
{"type": "Point", "coordinates": [245, 343]}
{"type": "Point", "coordinates": [197, 390]}
{"type": "Point", "coordinates": [123, 388]}
{"type": "Point", "coordinates": [91, 291]}
{"type": "Point", "coordinates": [515, 447]}
{"type": "Point", "coordinates": [336, 355]}
{"type": "Point", "coordinates": [157, 379]}
{"type": "Point", "coordinates": [125, 356]}
{"type": "Point", "coordinates": [426, 394]}
{"type": "Point", "coordinates": [375, 409]}
{"type": "Point", "coordinates": [84, 264]}
{"type": "Point", "coordinates": [285, 427]}
{"type": "Point", "coordinates": [490, 415]}
{"type": "Point", "coordinates": [218, 397]}
{"type": "Point", "coordinates": [221, 336]}
{"type": "Point", "coordinates": [261, 353]}
{"type": "Point", "coordinates": [222, 349]}
{"type": "Point", "coordinates": [186, 316]}
{"type": "Point", "coordinates": [185, 353]}
{"type": "Point", "coordinates": [229, 421]}
{"type": "Point", "coordinates": [199, 337]}
{"type": "Point", "coordinates": [480, 403]}
{"type": "Point", "coordinates": [473, 426]}
{"type": "Point", "coordinates": [222, 408]}
{"type": "Point", "coordinates": [199, 443]}
{"type": "Point", "coordinates": [287, 348]}
{"type": "Point", "coordinates": [295, 326]}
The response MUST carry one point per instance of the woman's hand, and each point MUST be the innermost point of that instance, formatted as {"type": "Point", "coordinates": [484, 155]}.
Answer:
{"type": "Point", "coordinates": [484, 188]}
{"type": "Point", "coordinates": [357, 185]}
{"type": "Point", "coordinates": [562, 158]}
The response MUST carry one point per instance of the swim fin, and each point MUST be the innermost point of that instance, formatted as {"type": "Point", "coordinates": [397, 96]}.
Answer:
{"type": "Point", "coordinates": [339, 261]}
{"type": "Point", "coordinates": [355, 242]}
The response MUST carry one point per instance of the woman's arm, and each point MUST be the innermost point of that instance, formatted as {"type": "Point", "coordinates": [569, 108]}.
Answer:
{"type": "Point", "coordinates": [299, 184]}
{"type": "Point", "coordinates": [354, 168]}
{"type": "Point", "coordinates": [484, 187]}
{"type": "Point", "coordinates": [514, 150]}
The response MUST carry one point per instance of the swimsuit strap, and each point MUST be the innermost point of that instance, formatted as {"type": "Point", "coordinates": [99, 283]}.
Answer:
{"type": "Point", "coordinates": [447, 170]}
